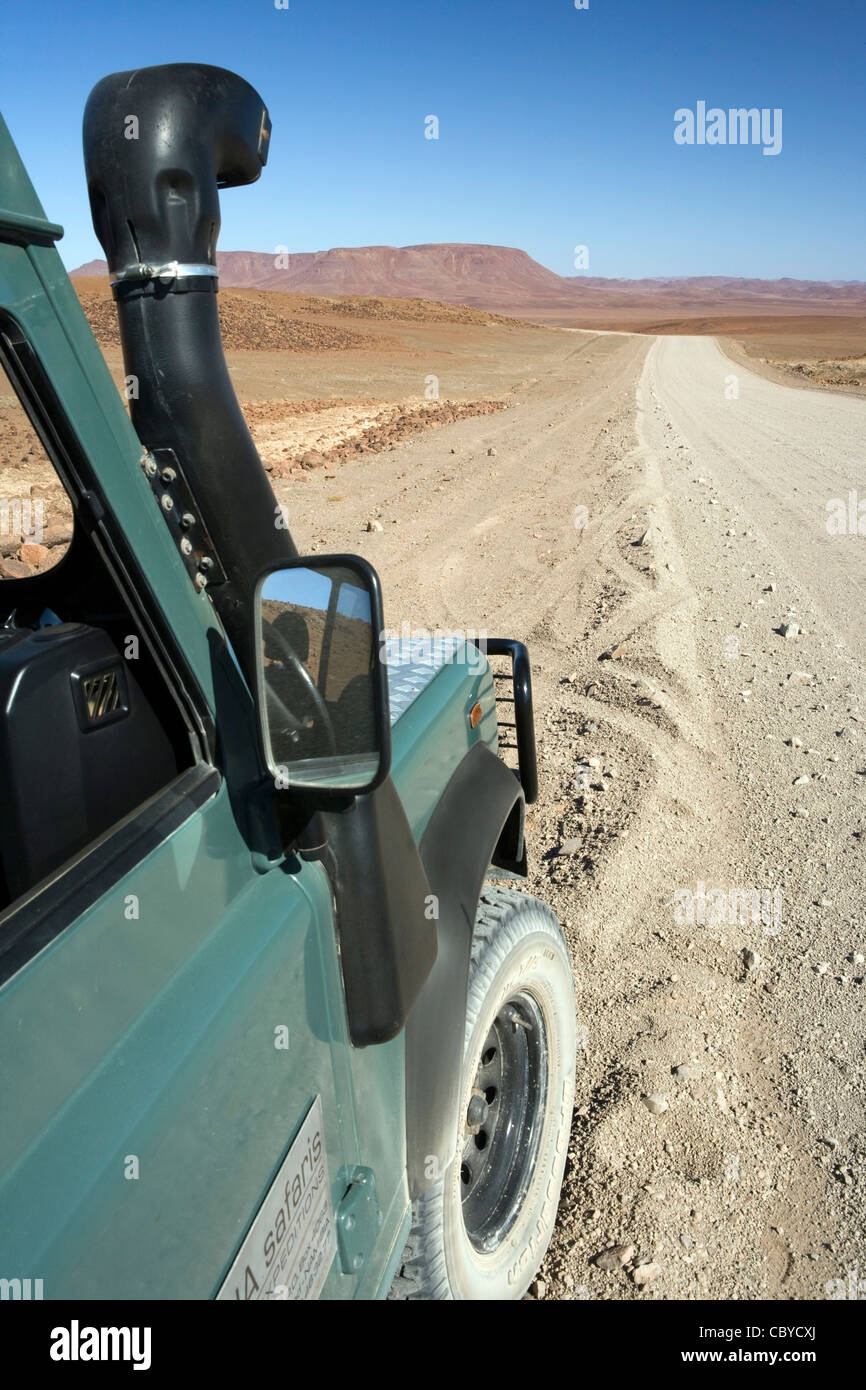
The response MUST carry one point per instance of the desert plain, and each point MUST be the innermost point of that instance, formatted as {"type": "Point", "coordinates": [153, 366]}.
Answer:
{"type": "Point", "coordinates": [638, 486]}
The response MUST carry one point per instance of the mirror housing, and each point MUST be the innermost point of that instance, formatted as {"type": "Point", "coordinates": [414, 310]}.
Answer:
{"type": "Point", "coordinates": [322, 686]}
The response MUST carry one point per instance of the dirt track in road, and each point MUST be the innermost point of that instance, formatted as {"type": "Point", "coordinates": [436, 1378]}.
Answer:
{"type": "Point", "coordinates": [748, 1184]}
{"type": "Point", "coordinates": [664, 767]}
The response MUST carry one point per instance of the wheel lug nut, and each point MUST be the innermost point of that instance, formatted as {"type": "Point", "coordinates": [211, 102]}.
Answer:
{"type": "Point", "coordinates": [477, 1111]}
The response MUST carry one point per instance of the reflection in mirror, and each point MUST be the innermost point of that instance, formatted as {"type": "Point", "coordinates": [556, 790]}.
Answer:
{"type": "Point", "coordinates": [319, 677]}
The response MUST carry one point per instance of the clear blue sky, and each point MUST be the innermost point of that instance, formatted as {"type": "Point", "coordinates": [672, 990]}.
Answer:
{"type": "Point", "coordinates": [556, 125]}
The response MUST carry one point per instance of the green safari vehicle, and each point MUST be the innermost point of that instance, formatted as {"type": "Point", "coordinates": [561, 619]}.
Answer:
{"type": "Point", "coordinates": [275, 1021]}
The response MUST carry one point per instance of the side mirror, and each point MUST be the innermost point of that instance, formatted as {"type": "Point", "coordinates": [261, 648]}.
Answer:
{"type": "Point", "coordinates": [322, 685]}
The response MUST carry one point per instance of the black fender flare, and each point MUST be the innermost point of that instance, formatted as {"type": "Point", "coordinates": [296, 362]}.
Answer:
{"type": "Point", "coordinates": [477, 820]}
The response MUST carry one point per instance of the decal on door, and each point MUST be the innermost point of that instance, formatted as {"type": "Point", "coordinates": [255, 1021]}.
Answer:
{"type": "Point", "coordinates": [291, 1244]}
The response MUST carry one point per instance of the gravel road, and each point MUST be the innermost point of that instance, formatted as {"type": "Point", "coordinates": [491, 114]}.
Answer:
{"type": "Point", "coordinates": [653, 520]}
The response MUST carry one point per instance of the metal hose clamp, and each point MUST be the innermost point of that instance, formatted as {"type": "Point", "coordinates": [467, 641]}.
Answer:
{"type": "Point", "coordinates": [171, 271]}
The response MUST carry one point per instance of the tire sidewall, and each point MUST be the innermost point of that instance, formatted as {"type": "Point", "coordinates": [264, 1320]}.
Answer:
{"type": "Point", "coordinates": [537, 963]}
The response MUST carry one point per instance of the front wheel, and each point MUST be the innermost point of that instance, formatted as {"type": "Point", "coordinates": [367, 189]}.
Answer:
{"type": "Point", "coordinates": [481, 1231]}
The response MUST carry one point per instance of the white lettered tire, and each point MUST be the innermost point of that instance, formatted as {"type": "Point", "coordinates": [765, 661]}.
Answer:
{"type": "Point", "coordinates": [481, 1230]}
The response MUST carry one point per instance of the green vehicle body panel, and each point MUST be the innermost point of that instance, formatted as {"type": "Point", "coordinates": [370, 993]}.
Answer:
{"type": "Point", "coordinates": [145, 1106]}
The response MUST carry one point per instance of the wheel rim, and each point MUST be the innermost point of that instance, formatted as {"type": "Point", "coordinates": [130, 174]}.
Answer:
{"type": "Point", "coordinates": [503, 1122]}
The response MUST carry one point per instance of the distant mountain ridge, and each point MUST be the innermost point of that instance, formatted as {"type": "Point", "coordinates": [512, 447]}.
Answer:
{"type": "Point", "coordinates": [784, 285]}
{"type": "Point", "coordinates": [502, 279]}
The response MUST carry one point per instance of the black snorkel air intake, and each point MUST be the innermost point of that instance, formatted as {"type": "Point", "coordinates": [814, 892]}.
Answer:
{"type": "Point", "coordinates": [158, 145]}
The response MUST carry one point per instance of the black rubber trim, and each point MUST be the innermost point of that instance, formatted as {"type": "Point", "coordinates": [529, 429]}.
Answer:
{"type": "Point", "coordinates": [124, 290]}
{"type": "Point", "coordinates": [387, 939]}
{"type": "Point", "coordinates": [456, 849]}
{"type": "Point", "coordinates": [37, 919]}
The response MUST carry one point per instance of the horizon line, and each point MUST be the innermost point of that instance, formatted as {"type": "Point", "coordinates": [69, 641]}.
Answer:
{"type": "Point", "coordinates": [836, 282]}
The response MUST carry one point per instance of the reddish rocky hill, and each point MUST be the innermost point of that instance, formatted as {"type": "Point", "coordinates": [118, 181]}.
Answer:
{"type": "Point", "coordinates": [483, 276]}
{"type": "Point", "coordinates": [505, 280]}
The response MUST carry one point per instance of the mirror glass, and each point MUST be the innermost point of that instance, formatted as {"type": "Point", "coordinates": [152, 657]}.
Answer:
{"type": "Point", "coordinates": [320, 677]}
